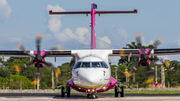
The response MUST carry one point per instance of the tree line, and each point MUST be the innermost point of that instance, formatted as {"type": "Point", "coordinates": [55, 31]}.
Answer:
{"type": "Point", "coordinates": [10, 79]}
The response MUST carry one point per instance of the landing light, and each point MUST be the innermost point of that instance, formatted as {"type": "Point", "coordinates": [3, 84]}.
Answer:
{"type": "Point", "coordinates": [93, 90]}
{"type": "Point", "coordinates": [89, 90]}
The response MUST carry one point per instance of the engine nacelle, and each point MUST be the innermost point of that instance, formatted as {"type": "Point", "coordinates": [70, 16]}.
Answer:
{"type": "Point", "coordinates": [146, 51]}
{"type": "Point", "coordinates": [41, 53]}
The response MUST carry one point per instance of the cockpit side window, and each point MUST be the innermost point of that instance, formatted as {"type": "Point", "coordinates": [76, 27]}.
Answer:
{"type": "Point", "coordinates": [95, 64]}
{"type": "Point", "coordinates": [85, 64]}
{"type": "Point", "coordinates": [78, 65]}
{"type": "Point", "coordinates": [103, 64]}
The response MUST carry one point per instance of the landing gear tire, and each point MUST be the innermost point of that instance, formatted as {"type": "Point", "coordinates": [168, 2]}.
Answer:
{"type": "Point", "coordinates": [93, 96]}
{"type": "Point", "coordinates": [88, 96]}
{"type": "Point", "coordinates": [119, 91]}
{"type": "Point", "coordinates": [116, 92]}
{"type": "Point", "coordinates": [122, 92]}
{"type": "Point", "coordinates": [62, 92]}
{"type": "Point", "coordinates": [68, 91]}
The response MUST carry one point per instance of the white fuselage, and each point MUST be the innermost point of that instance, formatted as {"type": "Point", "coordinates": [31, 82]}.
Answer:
{"type": "Point", "coordinates": [91, 71]}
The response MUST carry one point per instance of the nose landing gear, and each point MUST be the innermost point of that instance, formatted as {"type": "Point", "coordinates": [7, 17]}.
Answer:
{"type": "Point", "coordinates": [91, 96]}
{"type": "Point", "coordinates": [91, 93]}
{"type": "Point", "coordinates": [119, 91]}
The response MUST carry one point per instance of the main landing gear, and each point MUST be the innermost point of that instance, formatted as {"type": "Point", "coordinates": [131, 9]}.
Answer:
{"type": "Point", "coordinates": [119, 91]}
{"type": "Point", "coordinates": [66, 90]}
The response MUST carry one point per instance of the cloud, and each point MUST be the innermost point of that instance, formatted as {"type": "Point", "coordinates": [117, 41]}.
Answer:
{"type": "Point", "coordinates": [103, 43]}
{"type": "Point", "coordinates": [10, 39]}
{"type": "Point", "coordinates": [114, 60]}
{"type": "Point", "coordinates": [9, 43]}
{"type": "Point", "coordinates": [69, 32]}
{"type": "Point", "coordinates": [113, 25]}
{"type": "Point", "coordinates": [5, 10]}
{"type": "Point", "coordinates": [105, 39]}
{"type": "Point", "coordinates": [175, 43]}
{"type": "Point", "coordinates": [14, 39]}
{"type": "Point", "coordinates": [123, 32]}
{"type": "Point", "coordinates": [151, 42]}
{"type": "Point", "coordinates": [54, 23]}
{"type": "Point", "coordinates": [61, 37]}
{"type": "Point", "coordinates": [48, 37]}
{"type": "Point", "coordinates": [81, 34]}
{"type": "Point", "coordinates": [143, 41]}
{"type": "Point", "coordinates": [162, 57]}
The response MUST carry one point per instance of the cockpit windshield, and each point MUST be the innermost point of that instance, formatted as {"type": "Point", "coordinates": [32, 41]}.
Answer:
{"type": "Point", "coordinates": [95, 64]}
{"type": "Point", "coordinates": [85, 64]}
{"type": "Point", "coordinates": [78, 65]}
{"type": "Point", "coordinates": [90, 65]}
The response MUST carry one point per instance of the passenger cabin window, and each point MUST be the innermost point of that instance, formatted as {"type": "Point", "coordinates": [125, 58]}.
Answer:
{"type": "Point", "coordinates": [90, 65]}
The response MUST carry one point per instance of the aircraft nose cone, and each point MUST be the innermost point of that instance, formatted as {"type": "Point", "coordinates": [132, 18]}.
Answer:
{"type": "Point", "coordinates": [92, 78]}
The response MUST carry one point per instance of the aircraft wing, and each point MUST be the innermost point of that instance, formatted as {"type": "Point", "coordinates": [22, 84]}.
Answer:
{"type": "Point", "coordinates": [173, 51]}
{"type": "Point", "coordinates": [14, 53]}
{"type": "Point", "coordinates": [60, 53]}
{"type": "Point", "coordinates": [48, 53]}
{"type": "Point", "coordinates": [126, 52]}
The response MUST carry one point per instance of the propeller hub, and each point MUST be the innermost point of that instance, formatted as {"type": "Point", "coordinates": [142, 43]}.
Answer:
{"type": "Point", "coordinates": [144, 57]}
{"type": "Point", "coordinates": [39, 58]}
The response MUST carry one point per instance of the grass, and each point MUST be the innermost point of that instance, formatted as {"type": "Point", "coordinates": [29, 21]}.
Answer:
{"type": "Point", "coordinates": [153, 92]}
{"type": "Point", "coordinates": [149, 92]}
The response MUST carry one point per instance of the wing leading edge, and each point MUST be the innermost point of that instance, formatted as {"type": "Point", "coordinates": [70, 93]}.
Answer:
{"type": "Point", "coordinates": [48, 53]}
{"type": "Point", "coordinates": [126, 52]}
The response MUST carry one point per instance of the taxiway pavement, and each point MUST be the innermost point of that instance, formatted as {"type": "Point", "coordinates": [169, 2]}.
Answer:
{"type": "Point", "coordinates": [82, 96]}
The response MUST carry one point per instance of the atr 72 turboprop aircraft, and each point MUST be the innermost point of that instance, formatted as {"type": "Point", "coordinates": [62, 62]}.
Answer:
{"type": "Point", "coordinates": [91, 73]}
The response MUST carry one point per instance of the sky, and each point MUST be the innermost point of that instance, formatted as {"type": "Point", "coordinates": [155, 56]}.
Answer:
{"type": "Point", "coordinates": [21, 20]}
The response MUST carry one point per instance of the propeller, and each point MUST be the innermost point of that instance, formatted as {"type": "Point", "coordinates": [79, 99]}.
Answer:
{"type": "Point", "coordinates": [144, 57]}
{"type": "Point", "coordinates": [38, 58]}
{"type": "Point", "coordinates": [57, 72]}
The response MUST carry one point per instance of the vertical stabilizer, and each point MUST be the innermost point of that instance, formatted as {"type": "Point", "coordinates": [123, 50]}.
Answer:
{"type": "Point", "coordinates": [93, 34]}
{"type": "Point", "coordinates": [93, 12]}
